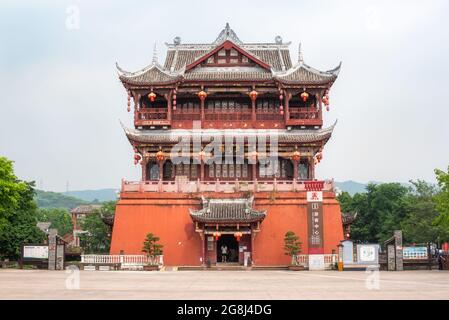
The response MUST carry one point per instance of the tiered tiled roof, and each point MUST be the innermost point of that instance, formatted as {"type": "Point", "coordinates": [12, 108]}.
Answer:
{"type": "Point", "coordinates": [275, 55]}
{"type": "Point", "coordinates": [207, 135]}
{"type": "Point", "coordinates": [227, 210]}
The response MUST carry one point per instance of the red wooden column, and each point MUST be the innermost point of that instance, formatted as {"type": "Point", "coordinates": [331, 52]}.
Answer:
{"type": "Point", "coordinates": [161, 168]}
{"type": "Point", "coordinates": [295, 169]}
{"type": "Point", "coordinates": [203, 247]}
{"type": "Point", "coordinates": [253, 251]}
{"type": "Point", "coordinates": [202, 95]}
{"type": "Point", "coordinates": [312, 168]}
{"type": "Point", "coordinates": [144, 163]}
{"type": "Point", "coordinates": [202, 170]}
{"type": "Point", "coordinates": [201, 156]}
{"type": "Point", "coordinates": [253, 96]}
{"type": "Point", "coordinates": [160, 157]}
{"type": "Point", "coordinates": [288, 96]}
{"type": "Point", "coordinates": [169, 106]}
{"type": "Point", "coordinates": [253, 157]}
{"type": "Point", "coordinates": [296, 157]}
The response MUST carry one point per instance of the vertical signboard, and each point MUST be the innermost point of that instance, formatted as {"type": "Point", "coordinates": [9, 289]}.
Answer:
{"type": "Point", "coordinates": [315, 222]}
{"type": "Point", "coordinates": [315, 229]}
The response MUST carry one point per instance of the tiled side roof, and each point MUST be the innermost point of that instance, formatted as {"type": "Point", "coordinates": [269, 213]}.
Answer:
{"type": "Point", "coordinates": [207, 135]}
{"type": "Point", "coordinates": [154, 74]}
{"type": "Point", "coordinates": [227, 210]}
{"type": "Point", "coordinates": [304, 74]}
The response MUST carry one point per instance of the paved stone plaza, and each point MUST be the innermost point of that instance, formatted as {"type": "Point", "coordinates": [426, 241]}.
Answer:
{"type": "Point", "coordinates": [42, 284]}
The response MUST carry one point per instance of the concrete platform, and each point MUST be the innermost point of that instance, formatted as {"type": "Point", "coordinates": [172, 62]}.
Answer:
{"type": "Point", "coordinates": [194, 285]}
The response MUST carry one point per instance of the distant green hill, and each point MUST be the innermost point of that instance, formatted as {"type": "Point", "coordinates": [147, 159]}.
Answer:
{"type": "Point", "coordinates": [351, 187]}
{"type": "Point", "coordinates": [100, 195]}
{"type": "Point", "coordinates": [48, 199]}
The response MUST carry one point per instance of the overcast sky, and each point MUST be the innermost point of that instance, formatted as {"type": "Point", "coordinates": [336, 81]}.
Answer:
{"type": "Point", "coordinates": [61, 99]}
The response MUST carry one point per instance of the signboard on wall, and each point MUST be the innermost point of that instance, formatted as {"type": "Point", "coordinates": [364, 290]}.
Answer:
{"type": "Point", "coordinates": [414, 252]}
{"type": "Point", "coordinates": [35, 252]}
{"type": "Point", "coordinates": [368, 253]}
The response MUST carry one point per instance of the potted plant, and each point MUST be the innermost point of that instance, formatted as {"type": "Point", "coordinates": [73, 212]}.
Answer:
{"type": "Point", "coordinates": [292, 247]}
{"type": "Point", "coordinates": [152, 250]}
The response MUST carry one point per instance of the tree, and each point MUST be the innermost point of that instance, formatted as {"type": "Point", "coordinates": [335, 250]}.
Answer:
{"type": "Point", "coordinates": [441, 201]}
{"type": "Point", "coordinates": [60, 219]}
{"type": "Point", "coordinates": [292, 246]}
{"type": "Point", "coordinates": [18, 212]}
{"type": "Point", "coordinates": [380, 211]}
{"type": "Point", "coordinates": [107, 209]}
{"type": "Point", "coordinates": [152, 248]}
{"type": "Point", "coordinates": [97, 238]}
{"type": "Point", "coordinates": [418, 226]}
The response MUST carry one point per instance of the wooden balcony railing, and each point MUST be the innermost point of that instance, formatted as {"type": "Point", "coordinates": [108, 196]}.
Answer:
{"type": "Point", "coordinates": [227, 186]}
{"type": "Point", "coordinates": [298, 114]}
{"type": "Point", "coordinates": [179, 116]}
{"type": "Point", "coordinates": [232, 116]}
{"type": "Point", "coordinates": [151, 114]}
{"type": "Point", "coordinates": [269, 116]}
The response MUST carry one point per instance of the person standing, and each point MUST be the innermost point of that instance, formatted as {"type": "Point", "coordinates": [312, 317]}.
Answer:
{"type": "Point", "coordinates": [440, 259]}
{"type": "Point", "coordinates": [224, 253]}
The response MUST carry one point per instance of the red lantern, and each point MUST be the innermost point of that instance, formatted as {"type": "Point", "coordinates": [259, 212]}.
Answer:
{"type": "Point", "coordinates": [296, 156]}
{"type": "Point", "coordinates": [160, 156]}
{"type": "Point", "coordinates": [318, 157]}
{"type": "Point", "coordinates": [282, 112]}
{"type": "Point", "coordinates": [304, 96]}
{"type": "Point", "coordinates": [253, 95]}
{"type": "Point", "coordinates": [216, 235]}
{"type": "Point", "coordinates": [152, 96]}
{"type": "Point", "coordinates": [238, 235]}
{"type": "Point", "coordinates": [202, 95]}
{"type": "Point", "coordinates": [137, 158]}
{"type": "Point", "coordinates": [281, 97]}
{"type": "Point", "coordinates": [174, 108]}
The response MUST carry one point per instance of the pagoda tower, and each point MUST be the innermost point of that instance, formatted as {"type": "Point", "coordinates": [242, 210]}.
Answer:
{"type": "Point", "coordinates": [228, 135]}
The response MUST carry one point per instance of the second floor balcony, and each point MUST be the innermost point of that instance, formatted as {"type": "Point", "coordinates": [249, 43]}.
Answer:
{"type": "Point", "coordinates": [227, 186]}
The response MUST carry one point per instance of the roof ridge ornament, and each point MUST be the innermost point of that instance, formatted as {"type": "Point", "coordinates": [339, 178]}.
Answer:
{"type": "Point", "coordinates": [155, 61]}
{"type": "Point", "coordinates": [227, 34]}
{"type": "Point", "coordinates": [300, 54]}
